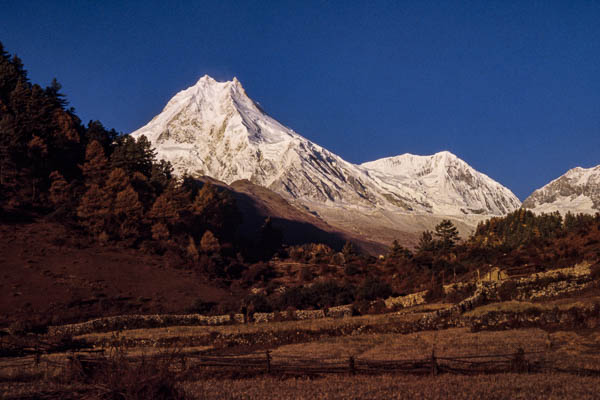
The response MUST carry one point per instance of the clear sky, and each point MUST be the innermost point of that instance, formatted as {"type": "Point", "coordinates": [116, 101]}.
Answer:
{"type": "Point", "coordinates": [511, 87]}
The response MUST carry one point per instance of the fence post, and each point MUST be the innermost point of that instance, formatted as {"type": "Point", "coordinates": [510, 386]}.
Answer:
{"type": "Point", "coordinates": [519, 364]}
{"type": "Point", "coordinates": [38, 356]}
{"type": "Point", "coordinates": [268, 355]}
{"type": "Point", "coordinates": [434, 365]}
{"type": "Point", "coordinates": [351, 365]}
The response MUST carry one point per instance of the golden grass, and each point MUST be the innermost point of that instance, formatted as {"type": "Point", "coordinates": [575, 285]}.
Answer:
{"type": "Point", "coordinates": [520, 306]}
{"type": "Point", "coordinates": [448, 343]}
{"type": "Point", "coordinates": [313, 325]}
{"type": "Point", "coordinates": [502, 386]}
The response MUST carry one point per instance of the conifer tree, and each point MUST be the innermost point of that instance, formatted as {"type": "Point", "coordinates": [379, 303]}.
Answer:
{"type": "Point", "coordinates": [270, 240]}
{"type": "Point", "coordinates": [426, 242]}
{"type": "Point", "coordinates": [209, 243]}
{"type": "Point", "coordinates": [192, 250]}
{"type": "Point", "coordinates": [446, 233]}
{"type": "Point", "coordinates": [96, 165]}
{"type": "Point", "coordinates": [116, 182]}
{"type": "Point", "coordinates": [128, 210]}
{"type": "Point", "coordinates": [93, 209]}
{"type": "Point", "coordinates": [59, 189]}
{"type": "Point", "coordinates": [160, 231]}
{"type": "Point", "coordinates": [349, 251]}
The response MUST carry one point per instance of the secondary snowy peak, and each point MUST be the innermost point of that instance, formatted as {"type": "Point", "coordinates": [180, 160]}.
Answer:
{"type": "Point", "coordinates": [450, 183]}
{"type": "Point", "coordinates": [577, 191]}
{"type": "Point", "coordinates": [214, 129]}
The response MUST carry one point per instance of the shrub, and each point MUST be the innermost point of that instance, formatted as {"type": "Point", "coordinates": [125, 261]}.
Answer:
{"type": "Point", "coordinates": [373, 288]}
{"type": "Point", "coordinates": [259, 272]}
{"type": "Point", "coordinates": [508, 291]}
{"type": "Point", "coordinates": [595, 272]}
{"type": "Point", "coordinates": [458, 295]}
{"type": "Point", "coordinates": [306, 274]}
{"type": "Point", "coordinates": [435, 292]}
{"type": "Point", "coordinates": [202, 307]}
{"type": "Point", "coordinates": [319, 295]}
{"type": "Point", "coordinates": [257, 303]}
{"type": "Point", "coordinates": [351, 269]}
{"type": "Point", "coordinates": [117, 377]}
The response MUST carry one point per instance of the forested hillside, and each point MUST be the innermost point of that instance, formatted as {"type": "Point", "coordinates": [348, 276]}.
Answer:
{"type": "Point", "coordinates": [110, 189]}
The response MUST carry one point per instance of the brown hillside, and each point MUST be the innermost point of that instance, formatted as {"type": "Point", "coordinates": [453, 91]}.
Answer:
{"type": "Point", "coordinates": [49, 271]}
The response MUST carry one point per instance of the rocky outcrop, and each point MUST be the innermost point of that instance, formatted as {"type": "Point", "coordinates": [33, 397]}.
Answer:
{"type": "Point", "coordinates": [410, 300]}
{"type": "Point", "coordinates": [124, 322]}
{"type": "Point", "coordinates": [587, 317]}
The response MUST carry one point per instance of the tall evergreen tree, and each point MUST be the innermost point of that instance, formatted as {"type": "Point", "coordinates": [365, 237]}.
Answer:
{"type": "Point", "coordinates": [95, 167]}
{"type": "Point", "coordinates": [447, 234]}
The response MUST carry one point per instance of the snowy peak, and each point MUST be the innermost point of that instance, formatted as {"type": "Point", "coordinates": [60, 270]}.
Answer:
{"type": "Point", "coordinates": [450, 183]}
{"type": "Point", "coordinates": [213, 128]}
{"type": "Point", "coordinates": [415, 165]}
{"type": "Point", "coordinates": [577, 191]}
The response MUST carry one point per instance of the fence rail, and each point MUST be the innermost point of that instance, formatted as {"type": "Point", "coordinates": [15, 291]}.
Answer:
{"type": "Point", "coordinates": [518, 362]}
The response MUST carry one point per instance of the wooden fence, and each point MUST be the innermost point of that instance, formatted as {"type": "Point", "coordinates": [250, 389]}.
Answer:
{"type": "Point", "coordinates": [265, 363]}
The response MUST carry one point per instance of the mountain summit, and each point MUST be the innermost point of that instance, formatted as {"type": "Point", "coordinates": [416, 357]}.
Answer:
{"type": "Point", "coordinates": [448, 181]}
{"type": "Point", "coordinates": [577, 191]}
{"type": "Point", "coordinates": [214, 128]}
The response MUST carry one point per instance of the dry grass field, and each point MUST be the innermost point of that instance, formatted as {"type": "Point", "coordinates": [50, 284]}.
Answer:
{"type": "Point", "coordinates": [502, 386]}
{"type": "Point", "coordinates": [325, 342]}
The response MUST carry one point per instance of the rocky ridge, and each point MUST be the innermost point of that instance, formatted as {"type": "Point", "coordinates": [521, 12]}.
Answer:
{"type": "Point", "coordinates": [214, 129]}
{"type": "Point", "coordinates": [577, 191]}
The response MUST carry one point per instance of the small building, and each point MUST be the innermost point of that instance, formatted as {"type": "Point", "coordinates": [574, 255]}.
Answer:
{"type": "Point", "coordinates": [494, 275]}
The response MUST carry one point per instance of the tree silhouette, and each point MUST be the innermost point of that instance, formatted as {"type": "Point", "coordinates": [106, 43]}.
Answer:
{"type": "Point", "coordinates": [447, 234]}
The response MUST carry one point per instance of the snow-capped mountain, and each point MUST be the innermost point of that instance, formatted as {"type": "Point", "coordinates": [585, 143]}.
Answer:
{"type": "Point", "coordinates": [577, 191]}
{"type": "Point", "coordinates": [448, 181]}
{"type": "Point", "coordinates": [213, 128]}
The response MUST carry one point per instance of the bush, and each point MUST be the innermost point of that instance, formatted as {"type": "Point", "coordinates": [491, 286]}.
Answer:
{"type": "Point", "coordinates": [373, 288]}
{"type": "Point", "coordinates": [306, 274]}
{"type": "Point", "coordinates": [458, 295]}
{"type": "Point", "coordinates": [319, 295]}
{"type": "Point", "coordinates": [202, 307]}
{"type": "Point", "coordinates": [595, 272]}
{"type": "Point", "coordinates": [351, 269]}
{"type": "Point", "coordinates": [259, 272]}
{"type": "Point", "coordinates": [257, 303]}
{"type": "Point", "coordinates": [508, 291]}
{"type": "Point", "coordinates": [435, 292]}
{"type": "Point", "coordinates": [117, 377]}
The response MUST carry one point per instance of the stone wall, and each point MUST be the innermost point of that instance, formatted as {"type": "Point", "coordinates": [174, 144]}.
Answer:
{"type": "Point", "coordinates": [540, 285]}
{"type": "Point", "coordinates": [410, 300]}
{"type": "Point", "coordinates": [124, 322]}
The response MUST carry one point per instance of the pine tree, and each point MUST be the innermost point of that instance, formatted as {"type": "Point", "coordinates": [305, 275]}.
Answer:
{"type": "Point", "coordinates": [128, 210]}
{"type": "Point", "coordinates": [215, 210]}
{"type": "Point", "coordinates": [192, 250]}
{"type": "Point", "coordinates": [116, 182]}
{"type": "Point", "coordinates": [426, 242]}
{"type": "Point", "coordinates": [160, 231]}
{"type": "Point", "coordinates": [59, 189]}
{"type": "Point", "coordinates": [349, 251]}
{"type": "Point", "coordinates": [397, 251]}
{"type": "Point", "coordinates": [270, 240]}
{"type": "Point", "coordinates": [209, 243]}
{"type": "Point", "coordinates": [96, 165]}
{"type": "Point", "coordinates": [132, 155]}
{"type": "Point", "coordinates": [93, 209]}
{"type": "Point", "coordinates": [447, 234]}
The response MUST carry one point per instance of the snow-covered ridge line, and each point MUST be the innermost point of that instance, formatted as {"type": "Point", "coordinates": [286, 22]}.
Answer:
{"type": "Point", "coordinates": [576, 191]}
{"type": "Point", "coordinates": [213, 128]}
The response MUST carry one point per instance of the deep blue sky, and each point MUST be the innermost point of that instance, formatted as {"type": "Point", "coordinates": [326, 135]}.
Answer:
{"type": "Point", "coordinates": [513, 88]}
